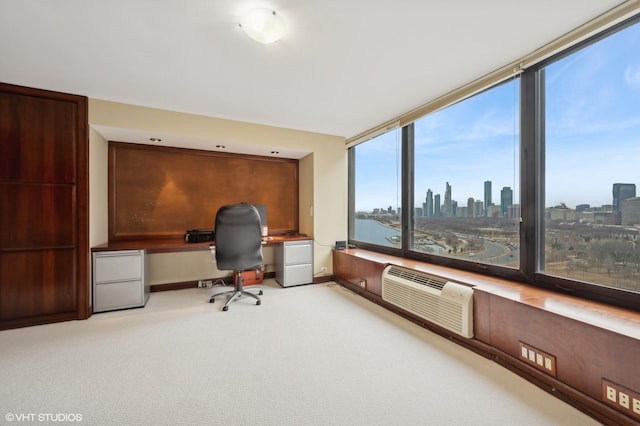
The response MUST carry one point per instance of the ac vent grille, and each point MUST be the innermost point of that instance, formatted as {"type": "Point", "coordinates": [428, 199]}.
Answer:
{"type": "Point", "coordinates": [418, 278]}
{"type": "Point", "coordinates": [444, 303]}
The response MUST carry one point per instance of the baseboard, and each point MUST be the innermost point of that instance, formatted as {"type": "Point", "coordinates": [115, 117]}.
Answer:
{"type": "Point", "coordinates": [194, 284]}
{"type": "Point", "coordinates": [227, 280]}
{"type": "Point", "coordinates": [323, 279]}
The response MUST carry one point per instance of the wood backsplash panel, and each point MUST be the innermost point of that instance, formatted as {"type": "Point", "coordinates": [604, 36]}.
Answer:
{"type": "Point", "coordinates": [158, 192]}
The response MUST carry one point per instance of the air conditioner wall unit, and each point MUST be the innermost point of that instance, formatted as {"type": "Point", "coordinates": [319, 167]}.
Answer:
{"type": "Point", "coordinates": [441, 302]}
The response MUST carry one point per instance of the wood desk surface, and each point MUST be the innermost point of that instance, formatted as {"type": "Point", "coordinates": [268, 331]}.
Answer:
{"type": "Point", "coordinates": [171, 245]}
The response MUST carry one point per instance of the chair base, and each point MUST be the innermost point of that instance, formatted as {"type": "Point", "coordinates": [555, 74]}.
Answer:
{"type": "Point", "coordinates": [236, 294]}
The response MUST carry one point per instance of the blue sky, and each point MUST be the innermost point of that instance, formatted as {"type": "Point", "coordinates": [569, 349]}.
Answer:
{"type": "Point", "coordinates": [592, 135]}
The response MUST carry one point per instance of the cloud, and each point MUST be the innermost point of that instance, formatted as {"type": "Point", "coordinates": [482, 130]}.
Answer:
{"type": "Point", "coordinates": [632, 76]}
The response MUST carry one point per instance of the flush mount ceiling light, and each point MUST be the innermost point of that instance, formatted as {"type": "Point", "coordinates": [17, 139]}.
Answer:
{"type": "Point", "coordinates": [263, 25]}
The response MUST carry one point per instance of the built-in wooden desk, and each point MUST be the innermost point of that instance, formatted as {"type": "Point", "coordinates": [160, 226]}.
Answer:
{"type": "Point", "coordinates": [171, 245]}
{"type": "Point", "coordinates": [176, 264]}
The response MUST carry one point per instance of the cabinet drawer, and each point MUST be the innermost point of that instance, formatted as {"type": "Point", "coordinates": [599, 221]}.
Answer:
{"type": "Point", "coordinates": [298, 274]}
{"type": "Point", "coordinates": [118, 266]}
{"type": "Point", "coordinates": [298, 252]}
{"type": "Point", "coordinates": [126, 294]}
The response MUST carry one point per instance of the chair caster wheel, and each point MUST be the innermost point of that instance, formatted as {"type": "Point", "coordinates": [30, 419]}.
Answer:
{"type": "Point", "coordinates": [260, 293]}
{"type": "Point", "coordinates": [258, 302]}
{"type": "Point", "coordinates": [212, 300]}
{"type": "Point", "coordinates": [225, 308]}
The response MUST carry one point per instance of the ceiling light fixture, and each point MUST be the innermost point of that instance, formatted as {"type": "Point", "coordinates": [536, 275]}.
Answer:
{"type": "Point", "coordinates": [263, 25]}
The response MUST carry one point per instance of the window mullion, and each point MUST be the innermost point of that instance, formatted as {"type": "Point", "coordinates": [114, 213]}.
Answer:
{"type": "Point", "coordinates": [407, 186]}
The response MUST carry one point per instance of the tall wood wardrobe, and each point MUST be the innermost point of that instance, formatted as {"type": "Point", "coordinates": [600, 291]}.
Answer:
{"type": "Point", "coordinates": [44, 248]}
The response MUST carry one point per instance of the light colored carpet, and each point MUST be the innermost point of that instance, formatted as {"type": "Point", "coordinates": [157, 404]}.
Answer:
{"type": "Point", "coordinates": [309, 355]}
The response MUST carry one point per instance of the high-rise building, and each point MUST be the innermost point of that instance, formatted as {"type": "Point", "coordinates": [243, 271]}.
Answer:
{"type": "Point", "coordinates": [436, 206]}
{"type": "Point", "coordinates": [470, 204]}
{"type": "Point", "coordinates": [630, 211]}
{"type": "Point", "coordinates": [622, 191]}
{"type": "Point", "coordinates": [506, 200]}
{"type": "Point", "coordinates": [487, 196]}
{"type": "Point", "coordinates": [428, 205]}
{"type": "Point", "coordinates": [478, 209]}
{"type": "Point", "coordinates": [493, 211]}
{"type": "Point", "coordinates": [448, 208]}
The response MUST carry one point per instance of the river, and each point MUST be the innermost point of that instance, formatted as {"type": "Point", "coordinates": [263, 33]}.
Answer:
{"type": "Point", "coordinates": [373, 232]}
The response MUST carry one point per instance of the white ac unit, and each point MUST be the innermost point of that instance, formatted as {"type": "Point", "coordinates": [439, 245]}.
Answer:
{"type": "Point", "coordinates": [442, 302]}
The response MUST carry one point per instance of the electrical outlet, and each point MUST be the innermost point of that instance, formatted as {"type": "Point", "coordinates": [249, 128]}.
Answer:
{"type": "Point", "coordinates": [362, 283]}
{"type": "Point", "coordinates": [323, 269]}
{"type": "Point", "coordinates": [622, 398]}
{"type": "Point", "coordinates": [538, 358]}
{"type": "Point", "coordinates": [205, 283]}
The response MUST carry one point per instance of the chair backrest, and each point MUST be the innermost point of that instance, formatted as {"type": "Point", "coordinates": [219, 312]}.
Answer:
{"type": "Point", "coordinates": [238, 237]}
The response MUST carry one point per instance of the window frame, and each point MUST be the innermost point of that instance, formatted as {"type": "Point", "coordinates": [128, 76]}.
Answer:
{"type": "Point", "coordinates": [532, 191]}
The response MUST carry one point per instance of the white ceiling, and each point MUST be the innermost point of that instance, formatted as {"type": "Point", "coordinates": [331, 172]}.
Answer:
{"type": "Point", "coordinates": [344, 67]}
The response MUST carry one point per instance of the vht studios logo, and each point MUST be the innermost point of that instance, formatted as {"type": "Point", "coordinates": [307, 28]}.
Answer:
{"type": "Point", "coordinates": [43, 417]}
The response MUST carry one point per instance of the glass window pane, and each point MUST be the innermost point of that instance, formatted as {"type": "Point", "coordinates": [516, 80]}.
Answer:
{"type": "Point", "coordinates": [466, 179]}
{"type": "Point", "coordinates": [592, 144]}
{"type": "Point", "coordinates": [378, 190]}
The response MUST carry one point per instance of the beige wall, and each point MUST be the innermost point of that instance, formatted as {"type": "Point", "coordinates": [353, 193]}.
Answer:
{"type": "Point", "coordinates": [98, 186]}
{"type": "Point", "coordinates": [323, 180]}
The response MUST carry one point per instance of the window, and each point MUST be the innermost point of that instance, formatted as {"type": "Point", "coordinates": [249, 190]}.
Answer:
{"type": "Point", "coordinates": [466, 176]}
{"type": "Point", "coordinates": [376, 171]}
{"type": "Point", "coordinates": [534, 179]}
{"type": "Point", "coordinates": [592, 152]}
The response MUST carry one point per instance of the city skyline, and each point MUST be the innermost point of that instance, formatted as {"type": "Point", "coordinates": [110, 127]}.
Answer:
{"type": "Point", "coordinates": [626, 190]}
{"type": "Point", "coordinates": [592, 134]}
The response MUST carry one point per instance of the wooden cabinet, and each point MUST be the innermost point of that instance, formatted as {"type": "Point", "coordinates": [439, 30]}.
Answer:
{"type": "Point", "coordinates": [44, 207]}
{"type": "Point", "coordinates": [353, 269]}
{"type": "Point", "coordinates": [119, 280]}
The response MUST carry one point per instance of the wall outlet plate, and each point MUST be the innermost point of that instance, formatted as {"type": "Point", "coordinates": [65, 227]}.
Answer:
{"type": "Point", "coordinates": [538, 358]}
{"type": "Point", "coordinates": [621, 398]}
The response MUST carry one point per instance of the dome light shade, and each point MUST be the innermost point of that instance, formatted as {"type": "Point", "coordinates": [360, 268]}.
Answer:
{"type": "Point", "coordinates": [263, 25]}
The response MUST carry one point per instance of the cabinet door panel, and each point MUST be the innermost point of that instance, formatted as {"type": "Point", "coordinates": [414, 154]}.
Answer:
{"type": "Point", "coordinates": [298, 274]}
{"type": "Point", "coordinates": [298, 252]}
{"type": "Point", "coordinates": [37, 282]}
{"type": "Point", "coordinates": [38, 216]}
{"type": "Point", "coordinates": [37, 138]}
{"type": "Point", "coordinates": [115, 266]}
{"type": "Point", "coordinates": [119, 295]}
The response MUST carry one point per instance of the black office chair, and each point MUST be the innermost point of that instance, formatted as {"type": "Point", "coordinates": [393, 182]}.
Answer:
{"type": "Point", "coordinates": [238, 245]}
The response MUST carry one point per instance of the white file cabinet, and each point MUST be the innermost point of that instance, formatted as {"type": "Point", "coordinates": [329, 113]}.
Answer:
{"type": "Point", "coordinates": [119, 280]}
{"type": "Point", "coordinates": [294, 263]}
